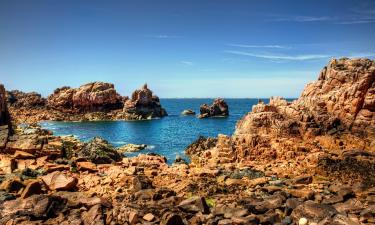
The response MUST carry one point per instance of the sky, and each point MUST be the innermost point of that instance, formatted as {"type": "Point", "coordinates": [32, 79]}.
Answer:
{"type": "Point", "coordinates": [181, 48]}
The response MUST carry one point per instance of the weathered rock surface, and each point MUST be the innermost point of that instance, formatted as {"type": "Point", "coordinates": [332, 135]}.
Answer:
{"type": "Point", "coordinates": [96, 96]}
{"type": "Point", "coordinates": [143, 105]}
{"type": "Point", "coordinates": [218, 108]}
{"type": "Point", "coordinates": [99, 151]}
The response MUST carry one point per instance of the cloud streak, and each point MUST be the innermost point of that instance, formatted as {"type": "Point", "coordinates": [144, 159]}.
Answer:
{"type": "Point", "coordinates": [187, 63]}
{"type": "Point", "coordinates": [258, 46]}
{"type": "Point", "coordinates": [163, 36]}
{"type": "Point", "coordinates": [281, 57]}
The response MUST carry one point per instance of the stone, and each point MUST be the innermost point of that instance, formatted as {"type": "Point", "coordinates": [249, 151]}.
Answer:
{"type": "Point", "coordinates": [94, 216]}
{"type": "Point", "coordinates": [36, 206]}
{"type": "Point", "coordinates": [33, 187]}
{"type": "Point", "coordinates": [86, 166]}
{"type": "Point", "coordinates": [149, 217]}
{"type": "Point", "coordinates": [301, 193]}
{"type": "Point", "coordinates": [99, 151]}
{"type": "Point", "coordinates": [169, 218]}
{"type": "Point", "coordinates": [143, 105]}
{"type": "Point", "coordinates": [23, 155]}
{"type": "Point", "coordinates": [194, 204]}
{"type": "Point", "coordinates": [133, 218]}
{"type": "Point", "coordinates": [12, 184]}
{"type": "Point", "coordinates": [306, 179]}
{"type": "Point", "coordinates": [218, 108]}
{"type": "Point", "coordinates": [7, 164]}
{"type": "Point", "coordinates": [59, 181]}
{"type": "Point", "coordinates": [313, 212]}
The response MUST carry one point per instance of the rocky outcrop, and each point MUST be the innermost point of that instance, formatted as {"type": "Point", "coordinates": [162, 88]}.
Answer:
{"type": "Point", "coordinates": [218, 108]}
{"type": "Point", "coordinates": [99, 151]}
{"type": "Point", "coordinates": [96, 96]}
{"type": "Point", "coordinates": [143, 105]}
{"type": "Point", "coordinates": [333, 114]}
{"type": "Point", "coordinates": [19, 99]}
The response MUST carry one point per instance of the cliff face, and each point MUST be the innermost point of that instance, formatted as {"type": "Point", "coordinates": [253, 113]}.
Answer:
{"type": "Point", "coordinates": [96, 96]}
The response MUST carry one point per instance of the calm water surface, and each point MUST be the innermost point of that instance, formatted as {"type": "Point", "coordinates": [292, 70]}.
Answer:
{"type": "Point", "coordinates": [168, 136]}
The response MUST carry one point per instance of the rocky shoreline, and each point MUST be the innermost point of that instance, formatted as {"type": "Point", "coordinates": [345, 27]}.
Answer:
{"type": "Point", "coordinates": [310, 161]}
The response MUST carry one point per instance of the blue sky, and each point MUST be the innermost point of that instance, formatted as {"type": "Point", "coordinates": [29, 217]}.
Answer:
{"type": "Point", "coordinates": [181, 48]}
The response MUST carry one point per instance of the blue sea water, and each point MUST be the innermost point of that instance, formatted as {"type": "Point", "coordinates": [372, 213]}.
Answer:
{"type": "Point", "coordinates": [168, 136]}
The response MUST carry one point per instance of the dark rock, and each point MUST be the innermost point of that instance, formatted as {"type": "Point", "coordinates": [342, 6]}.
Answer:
{"type": "Point", "coordinates": [218, 108]}
{"type": "Point", "coordinates": [200, 145]}
{"type": "Point", "coordinates": [36, 206]}
{"type": "Point", "coordinates": [99, 151]}
{"type": "Point", "coordinates": [195, 204]}
{"type": "Point", "coordinates": [20, 99]}
{"type": "Point", "coordinates": [170, 218]}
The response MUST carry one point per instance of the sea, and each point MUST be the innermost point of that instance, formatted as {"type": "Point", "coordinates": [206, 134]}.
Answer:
{"type": "Point", "coordinates": [168, 136]}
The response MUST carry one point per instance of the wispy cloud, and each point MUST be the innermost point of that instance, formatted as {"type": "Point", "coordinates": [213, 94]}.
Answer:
{"type": "Point", "coordinates": [187, 63]}
{"type": "Point", "coordinates": [258, 46]}
{"type": "Point", "coordinates": [163, 36]}
{"type": "Point", "coordinates": [301, 18]}
{"type": "Point", "coordinates": [280, 57]}
{"type": "Point", "coordinates": [360, 17]}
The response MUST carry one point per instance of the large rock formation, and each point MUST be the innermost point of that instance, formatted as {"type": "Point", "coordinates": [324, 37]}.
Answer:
{"type": "Point", "coordinates": [218, 108]}
{"type": "Point", "coordinates": [333, 114]}
{"type": "Point", "coordinates": [143, 105]}
{"type": "Point", "coordinates": [96, 96]}
{"type": "Point", "coordinates": [19, 99]}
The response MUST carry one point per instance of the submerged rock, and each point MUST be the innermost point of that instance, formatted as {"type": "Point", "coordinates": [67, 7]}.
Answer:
{"type": "Point", "coordinates": [143, 105]}
{"type": "Point", "coordinates": [99, 151]}
{"type": "Point", "coordinates": [218, 108]}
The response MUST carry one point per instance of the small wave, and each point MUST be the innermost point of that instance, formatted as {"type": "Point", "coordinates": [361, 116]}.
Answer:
{"type": "Point", "coordinates": [150, 147]}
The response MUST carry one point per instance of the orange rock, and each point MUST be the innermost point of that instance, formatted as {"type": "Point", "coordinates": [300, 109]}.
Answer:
{"type": "Point", "coordinates": [59, 181]}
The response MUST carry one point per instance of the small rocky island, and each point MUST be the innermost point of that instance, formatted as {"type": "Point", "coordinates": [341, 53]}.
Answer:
{"type": "Point", "coordinates": [310, 161]}
{"type": "Point", "coordinates": [219, 108]}
{"type": "Point", "coordinates": [143, 105]}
